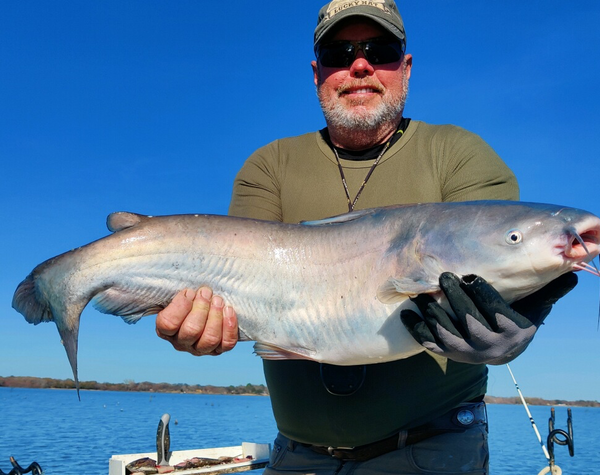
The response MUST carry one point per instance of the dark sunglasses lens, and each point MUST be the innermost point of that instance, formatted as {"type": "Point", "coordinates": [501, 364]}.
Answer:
{"type": "Point", "coordinates": [382, 53]}
{"type": "Point", "coordinates": [342, 55]}
{"type": "Point", "coordinates": [337, 55]}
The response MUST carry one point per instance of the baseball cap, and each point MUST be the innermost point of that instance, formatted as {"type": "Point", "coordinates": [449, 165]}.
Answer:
{"type": "Point", "coordinates": [383, 12]}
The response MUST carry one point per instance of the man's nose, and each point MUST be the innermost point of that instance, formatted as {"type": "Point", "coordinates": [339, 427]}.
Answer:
{"type": "Point", "coordinates": [360, 67]}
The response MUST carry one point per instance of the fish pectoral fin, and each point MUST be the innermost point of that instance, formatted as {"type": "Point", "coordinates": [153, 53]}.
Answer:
{"type": "Point", "coordinates": [128, 304]}
{"type": "Point", "coordinates": [271, 352]}
{"type": "Point", "coordinates": [123, 220]}
{"type": "Point", "coordinates": [397, 290]}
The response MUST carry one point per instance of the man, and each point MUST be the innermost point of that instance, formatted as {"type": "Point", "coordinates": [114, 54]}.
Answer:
{"type": "Point", "coordinates": [423, 414]}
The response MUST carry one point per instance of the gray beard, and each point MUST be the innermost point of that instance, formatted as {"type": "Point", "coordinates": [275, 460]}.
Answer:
{"type": "Point", "coordinates": [386, 112]}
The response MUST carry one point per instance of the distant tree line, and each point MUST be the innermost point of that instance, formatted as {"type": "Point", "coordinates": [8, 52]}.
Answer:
{"type": "Point", "coordinates": [536, 401]}
{"type": "Point", "coordinates": [130, 385]}
{"type": "Point", "coordinates": [248, 389]}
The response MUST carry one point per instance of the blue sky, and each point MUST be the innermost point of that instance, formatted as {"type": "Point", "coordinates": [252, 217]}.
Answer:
{"type": "Point", "coordinates": [153, 106]}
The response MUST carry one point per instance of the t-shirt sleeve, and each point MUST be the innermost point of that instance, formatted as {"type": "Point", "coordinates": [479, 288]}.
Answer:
{"type": "Point", "coordinates": [472, 170]}
{"type": "Point", "coordinates": [256, 189]}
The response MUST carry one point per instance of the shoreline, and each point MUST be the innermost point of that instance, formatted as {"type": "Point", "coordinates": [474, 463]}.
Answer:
{"type": "Point", "coordinates": [33, 382]}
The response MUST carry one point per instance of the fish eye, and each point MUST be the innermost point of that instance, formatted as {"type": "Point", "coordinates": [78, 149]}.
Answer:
{"type": "Point", "coordinates": [514, 236]}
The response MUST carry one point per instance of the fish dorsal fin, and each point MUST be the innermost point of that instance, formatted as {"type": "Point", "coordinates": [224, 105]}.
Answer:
{"type": "Point", "coordinates": [122, 220]}
{"type": "Point", "coordinates": [397, 290]}
{"type": "Point", "coordinates": [342, 218]}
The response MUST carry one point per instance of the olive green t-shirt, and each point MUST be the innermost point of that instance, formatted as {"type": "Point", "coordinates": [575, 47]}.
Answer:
{"type": "Point", "coordinates": [296, 179]}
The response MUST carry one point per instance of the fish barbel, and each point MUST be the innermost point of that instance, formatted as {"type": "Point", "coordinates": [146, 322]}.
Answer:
{"type": "Point", "coordinates": [328, 290]}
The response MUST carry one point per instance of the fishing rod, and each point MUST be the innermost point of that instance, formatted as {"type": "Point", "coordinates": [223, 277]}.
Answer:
{"type": "Point", "coordinates": [535, 429]}
{"type": "Point", "coordinates": [566, 438]}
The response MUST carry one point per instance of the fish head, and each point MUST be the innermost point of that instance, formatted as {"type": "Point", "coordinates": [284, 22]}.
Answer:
{"type": "Point", "coordinates": [520, 247]}
{"type": "Point", "coordinates": [517, 247]}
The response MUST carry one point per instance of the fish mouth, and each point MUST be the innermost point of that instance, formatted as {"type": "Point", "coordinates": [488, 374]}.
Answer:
{"type": "Point", "coordinates": [583, 243]}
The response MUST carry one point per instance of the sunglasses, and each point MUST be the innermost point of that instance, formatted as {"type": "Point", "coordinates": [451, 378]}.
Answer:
{"type": "Point", "coordinates": [341, 54]}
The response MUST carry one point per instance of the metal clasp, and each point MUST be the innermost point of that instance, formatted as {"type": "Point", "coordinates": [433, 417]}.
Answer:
{"type": "Point", "coordinates": [331, 450]}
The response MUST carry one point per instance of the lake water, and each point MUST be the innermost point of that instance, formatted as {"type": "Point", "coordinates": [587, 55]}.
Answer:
{"type": "Point", "coordinates": [66, 436]}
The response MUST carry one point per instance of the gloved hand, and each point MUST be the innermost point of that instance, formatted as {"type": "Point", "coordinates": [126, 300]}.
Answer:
{"type": "Point", "coordinates": [486, 328]}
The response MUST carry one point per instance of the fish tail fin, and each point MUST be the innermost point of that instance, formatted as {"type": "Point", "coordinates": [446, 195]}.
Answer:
{"type": "Point", "coordinates": [69, 337]}
{"type": "Point", "coordinates": [28, 302]}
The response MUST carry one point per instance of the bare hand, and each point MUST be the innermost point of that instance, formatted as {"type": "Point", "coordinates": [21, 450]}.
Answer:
{"type": "Point", "coordinates": [198, 322]}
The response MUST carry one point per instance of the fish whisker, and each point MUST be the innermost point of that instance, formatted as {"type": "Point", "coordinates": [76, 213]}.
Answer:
{"type": "Point", "coordinates": [592, 269]}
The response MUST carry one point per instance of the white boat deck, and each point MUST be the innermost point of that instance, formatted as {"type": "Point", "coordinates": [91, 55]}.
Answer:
{"type": "Point", "coordinates": [258, 452]}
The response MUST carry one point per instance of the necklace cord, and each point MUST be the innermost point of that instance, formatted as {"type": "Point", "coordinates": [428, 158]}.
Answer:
{"type": "Point", "coordinates": [352, 203]}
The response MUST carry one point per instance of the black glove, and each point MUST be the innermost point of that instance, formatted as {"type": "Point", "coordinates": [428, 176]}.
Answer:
{"type": "Point", "coordinates": [486, 328]}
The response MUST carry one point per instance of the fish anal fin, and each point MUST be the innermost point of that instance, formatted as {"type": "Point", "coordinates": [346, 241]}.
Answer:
{"type": "Point", "coordinates": [397, 290]}
{"type": "Point", "coordinates": [271, 352]}
{"type": "Point", "coordinates": [123, 220]}
{"type": "Point", "coordinates": [129, 304]}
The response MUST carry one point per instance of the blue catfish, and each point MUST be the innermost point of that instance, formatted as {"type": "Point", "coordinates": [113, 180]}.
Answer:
{"type": "Point", "coordinates": [329, 290]}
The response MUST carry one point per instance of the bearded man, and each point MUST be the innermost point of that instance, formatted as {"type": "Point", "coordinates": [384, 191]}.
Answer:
{"type": "Point", "coordinates": [420, 415]}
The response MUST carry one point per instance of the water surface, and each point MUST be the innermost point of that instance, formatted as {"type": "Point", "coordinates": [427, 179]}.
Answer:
{"type": "Point", "coordinates": [67, 436]}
